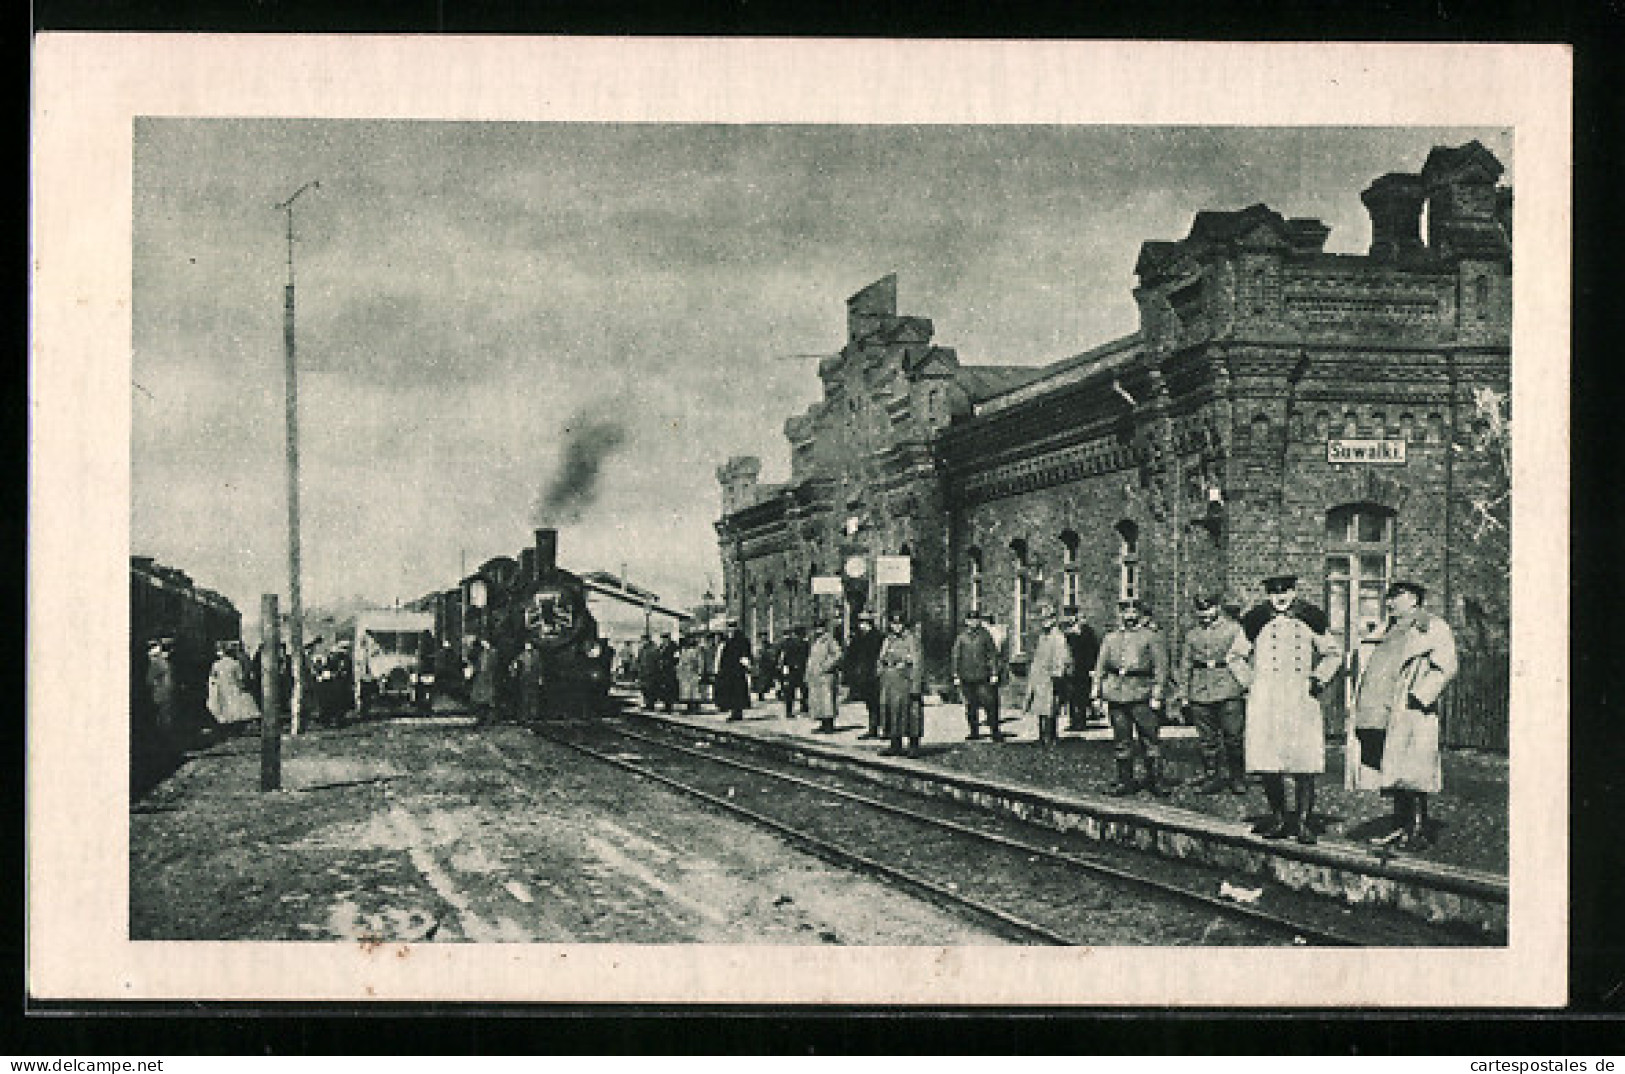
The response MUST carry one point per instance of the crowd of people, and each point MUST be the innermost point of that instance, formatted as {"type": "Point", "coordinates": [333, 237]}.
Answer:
{"type": "Point", "coordinates": [1250, 684]}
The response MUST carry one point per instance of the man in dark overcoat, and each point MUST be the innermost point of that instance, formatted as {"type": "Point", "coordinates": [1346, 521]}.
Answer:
{"type": "Point", "coordinates": [793, 671]}
{"type": "Point", "coordinates": [1085, 645]}
{"type": "Point", "coordinates": [977, 667]}
{"type": "Point", "coordinates": [860, 674]}
{"type": "Point", "coordinates": [733, 673]}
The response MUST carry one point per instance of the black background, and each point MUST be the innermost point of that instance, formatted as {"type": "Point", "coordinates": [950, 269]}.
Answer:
{"type": "Point", "coordinates": [1594, 1023]}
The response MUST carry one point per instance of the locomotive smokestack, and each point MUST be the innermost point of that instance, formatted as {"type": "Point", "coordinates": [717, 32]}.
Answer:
{"type": "Point", "coordinates": [547, 551]}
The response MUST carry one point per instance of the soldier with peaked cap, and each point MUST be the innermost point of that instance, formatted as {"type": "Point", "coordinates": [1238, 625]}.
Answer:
{"type": "Point", "coordinates": [1212, 695]}
{"type": "Point", "coordinates": [1129, 676]}
{"type": "Point", "coordinates": [901, 672]}
{"type": "Point", "coordinates": [1285, 656]}
{"type": "Point", "coordinates": [1393, 737]}
{"type": "Point", "coordinates": [976, 665]}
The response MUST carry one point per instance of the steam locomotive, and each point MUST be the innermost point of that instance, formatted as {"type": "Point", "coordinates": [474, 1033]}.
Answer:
{"type": "Point", "coordinates": [508, 602]}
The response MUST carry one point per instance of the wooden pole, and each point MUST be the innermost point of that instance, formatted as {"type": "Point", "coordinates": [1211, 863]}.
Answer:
{"type": "Point", "coordinates": [271, 695]}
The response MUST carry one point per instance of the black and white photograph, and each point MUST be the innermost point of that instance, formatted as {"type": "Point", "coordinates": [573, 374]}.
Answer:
{"type": "Point", "coordinates": [754, 553]}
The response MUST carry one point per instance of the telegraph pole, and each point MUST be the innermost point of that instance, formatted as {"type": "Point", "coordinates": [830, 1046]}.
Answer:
{"type": "Point", "coordinates": [296, 627]}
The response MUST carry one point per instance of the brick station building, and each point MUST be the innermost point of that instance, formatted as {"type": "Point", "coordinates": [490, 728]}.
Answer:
{"type": "Point", "coordinates": [1279, 408]}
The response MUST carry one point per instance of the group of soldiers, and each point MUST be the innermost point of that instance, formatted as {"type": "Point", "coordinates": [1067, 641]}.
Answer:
{"type": "Point", "coordinates": [1251, 685]}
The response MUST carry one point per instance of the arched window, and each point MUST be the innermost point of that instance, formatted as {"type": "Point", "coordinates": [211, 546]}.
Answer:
{"type": "Point", "coordinates": [1407, 427]}
{"type": "Point", "coordinates": [1351, 424]}
{"type": "Point", "coordinates": [1128, 560]}
{"type": "Point", "coordinates": [1359, 563]}
{"type": "Point", "coordinates": [769, 620]}
{"type": "Point", "coordinates": [1018, 612]}
{"type": "Point", "coordinates": [1323, 425]}
{"type": "Point", "coordinates": [1069, 569]}
{"type": "Point", "coordinates": [790, 588]}
{"type": "Point", "coordinates": [973, 562]}
{"type": "Point", "coordinates": [1481, 296]}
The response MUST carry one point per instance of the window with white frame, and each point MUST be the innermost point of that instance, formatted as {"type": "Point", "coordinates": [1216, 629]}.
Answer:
{"type": "Point", "coordinates": [1128, 560]}
{"type": "Point", "coordinates": [1070, 587]}
{"type": "Point", "coordinates": [1018, 611]}
{"type": "Point", "coordinates": [1359, 563]}
{"type": "Point", "coordinates": [973, 559]}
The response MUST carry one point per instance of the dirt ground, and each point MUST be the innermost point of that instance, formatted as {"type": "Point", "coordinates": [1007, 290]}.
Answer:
{"type": "Point", "coordinates": [430, 830]}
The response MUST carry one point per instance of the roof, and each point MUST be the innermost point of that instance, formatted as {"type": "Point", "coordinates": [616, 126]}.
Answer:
{"type": "Point", "coordinates": [1071, 370]}
{"type": "Point", "coordinates": [394, 619]}
{"type": "Point", "coordinates": [616, 593]}
{"type": "Point", "coordinates": [985, 381]}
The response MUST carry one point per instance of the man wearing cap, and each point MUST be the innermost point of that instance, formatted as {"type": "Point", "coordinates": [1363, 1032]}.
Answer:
{"type": "Point", "coordinates": [733, 673]}
{"type": "Point", "coordinates": [1209, 689]}
{"type": "Point", "coordinates": [1129, 676]}
{"type": "Point", "coordinates": [1393, 742]}
{"type": "Point", "coordinates": [860, 675]}
{"type": "Point", "coordinates": [1046, 676]}
{"type": "Point", "coordinates": [976, 668]}
{"type": "Point", "coordinates": [901, 672]}
{"type": "Point", "coordinates": [1284, 656]}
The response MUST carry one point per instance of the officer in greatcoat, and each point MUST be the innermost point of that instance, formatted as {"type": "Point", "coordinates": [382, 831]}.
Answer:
{"type": "Point", "coordinates": [1212, 695]}
{"type": "Point", "coordinates": [1130, 674]}
{"type": "Point", "coordinates": [1285, 656]}
{"type": "Point", "coordinates": [666, 671]}
{"type": "Point", "coordinates": [733, 673]}
{"type": "Point", "coordinates": [1394, 727]}
{"type": "Point", "coordinates": [900, 670]}
{"type": "Point", "coordinates": [824, 660]}
{"type": "Point", "coordinates": [482, 693]}
{"type": "Point", "coordinates": [977, 667]}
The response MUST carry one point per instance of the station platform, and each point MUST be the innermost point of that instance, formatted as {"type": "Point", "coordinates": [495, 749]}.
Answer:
{"type": "Point", "coordinates": [1461, 879]}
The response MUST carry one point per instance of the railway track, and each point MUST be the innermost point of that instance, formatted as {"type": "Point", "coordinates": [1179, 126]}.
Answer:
{"type": "Point", "coordinates": [1033, 886]}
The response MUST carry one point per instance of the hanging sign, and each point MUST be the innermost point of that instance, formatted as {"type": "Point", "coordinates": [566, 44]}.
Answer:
{"type": "Point", "coordinates": [892, 570]}
{"type": "Point", "coordinates": [1366, 452]}
{"type": "Point", "coordinates": [826, 585]}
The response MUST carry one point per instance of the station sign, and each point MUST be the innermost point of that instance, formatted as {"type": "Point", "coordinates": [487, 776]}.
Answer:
{"type": "Point", "coordinates": [892, 570]}
{"type": "Point", "coordinates": [826, 585]}
{"type": "Point", "coordinates": [1366, 452]}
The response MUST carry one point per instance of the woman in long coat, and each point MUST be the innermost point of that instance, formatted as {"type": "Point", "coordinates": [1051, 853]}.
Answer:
{"type": "Point", "coordinates": [229, 699]}
{"type": "Point", "coordinates": [824, 679]}
{"type": "Point", "coordinates": [1052, 663]}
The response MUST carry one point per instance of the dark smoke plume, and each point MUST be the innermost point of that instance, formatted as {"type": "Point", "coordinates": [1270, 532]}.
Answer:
{"type": "Point", "coordinates": [588, 444]}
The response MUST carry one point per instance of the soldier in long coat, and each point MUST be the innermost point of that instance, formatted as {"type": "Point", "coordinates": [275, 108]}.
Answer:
{"type": "Point", "coordinates": [1393, 733]}
{"type": "Point", "coordinates": [901, 671]}
{"type": "Point", "coordinates": [1284, 656]}
{"type": "Point", "coordinates": [666, 672]}
{"type": "Point", "coordinates": [733, 673]}
{"type": "Point", "coordinates": [1047, 676]}
{"type": "Point", "coordinates": [824, 678]}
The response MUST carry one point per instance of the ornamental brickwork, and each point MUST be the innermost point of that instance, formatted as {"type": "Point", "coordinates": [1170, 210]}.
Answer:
{"type": "Point", "coordinates": [1189, 457]}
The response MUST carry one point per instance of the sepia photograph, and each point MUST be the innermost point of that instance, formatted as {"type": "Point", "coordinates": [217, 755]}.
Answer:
{"type": "Point", "coordinates": [761, 552]}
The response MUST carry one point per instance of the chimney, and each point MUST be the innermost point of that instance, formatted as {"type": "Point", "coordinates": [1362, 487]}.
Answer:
{"type": "Point", "coordinates": [547, 552]}
{"type": "Point", "coordinates": [1395, 204]}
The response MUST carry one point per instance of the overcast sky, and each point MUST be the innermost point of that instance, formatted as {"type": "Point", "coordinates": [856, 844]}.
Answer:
{"type": "Point", "coordinates": [467, 292]}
